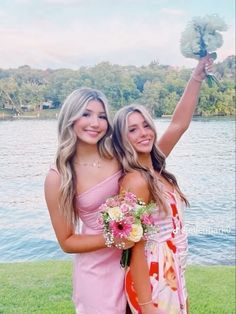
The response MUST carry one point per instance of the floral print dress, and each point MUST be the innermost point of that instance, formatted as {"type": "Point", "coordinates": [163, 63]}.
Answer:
{"type": "Point", "coordinates": [166, 253]}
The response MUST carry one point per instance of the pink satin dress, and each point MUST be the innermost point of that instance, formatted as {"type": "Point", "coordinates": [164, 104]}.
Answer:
{"type": "Point", "coordinates": [166, 253]}
{"type": "Point", "coordinates": [98, 279]}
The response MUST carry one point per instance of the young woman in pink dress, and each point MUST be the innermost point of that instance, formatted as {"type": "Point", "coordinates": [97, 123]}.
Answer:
{"type": "Point", "coordinates": [85, 174]}
{"type": "Point", "coordinates": [155, 282]}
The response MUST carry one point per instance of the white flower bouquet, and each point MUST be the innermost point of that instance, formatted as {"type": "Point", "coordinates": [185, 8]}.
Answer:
{"type": "Point", "coordinates": [201, 37]}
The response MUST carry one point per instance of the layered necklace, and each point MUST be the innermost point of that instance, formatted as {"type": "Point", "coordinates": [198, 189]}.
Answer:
{"type": "Point", "coordinates": [94, 163]}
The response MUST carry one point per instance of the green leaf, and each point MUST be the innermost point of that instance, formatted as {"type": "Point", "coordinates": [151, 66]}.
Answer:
{"type": "Point", "coordinates": [213, 55]}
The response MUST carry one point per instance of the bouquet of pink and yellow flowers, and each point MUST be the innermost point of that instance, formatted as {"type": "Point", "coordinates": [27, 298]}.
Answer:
{"type": "Point", "coordinates": [124, 216]}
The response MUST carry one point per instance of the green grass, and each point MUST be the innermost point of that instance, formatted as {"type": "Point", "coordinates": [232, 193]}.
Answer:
{"type": "Point", "coordinates": [36, 287]}
{"type": "Point", "coordinates": [211, 289]}
{"type": "Point", "coordinates": [45, 287]}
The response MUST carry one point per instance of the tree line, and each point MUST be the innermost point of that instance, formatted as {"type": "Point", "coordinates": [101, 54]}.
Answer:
{"type": "Point", "coordinates": [157, 86]}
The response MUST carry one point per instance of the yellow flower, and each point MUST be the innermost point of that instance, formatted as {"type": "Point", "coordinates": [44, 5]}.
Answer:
{"type": "Point", "coordinates": [136, 233]}
{"type": "Point", "coordinates": [115, 213]}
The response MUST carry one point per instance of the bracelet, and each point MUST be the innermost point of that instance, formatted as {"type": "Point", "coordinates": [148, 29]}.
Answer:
{"type": "Point", "coordinates": [145, 303]}
{"type": "Point", "coordinates": [196, 79]}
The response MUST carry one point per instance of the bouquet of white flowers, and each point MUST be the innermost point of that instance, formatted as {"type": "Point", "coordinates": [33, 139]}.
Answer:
{"type": "Point", "coordinates": [202, 37]}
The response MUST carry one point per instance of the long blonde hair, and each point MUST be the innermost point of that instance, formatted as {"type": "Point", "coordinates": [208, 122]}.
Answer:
{"type": "Point", "coordinates": [128, 157]}
{"type": "Point", "coordinates": [72, 109]}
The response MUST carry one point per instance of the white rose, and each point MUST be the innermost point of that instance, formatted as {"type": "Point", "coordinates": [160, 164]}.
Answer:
{"type": "Point", "coordinates": [136, 233]}
{"type": "Point", "coordinates": [115, 213]}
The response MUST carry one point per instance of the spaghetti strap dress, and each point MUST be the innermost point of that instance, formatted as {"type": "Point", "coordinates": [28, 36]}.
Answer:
{"type": "Point", "coordinates": [98, 279]}
{"type": "Point", "coordinates": [166, 253]}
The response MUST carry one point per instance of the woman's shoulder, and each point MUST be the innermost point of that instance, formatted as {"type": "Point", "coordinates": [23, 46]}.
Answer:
{"type": "Point", "coordinates": [135, 178]}
{"type": "Point", "coordinates": [134, 175]}
{"type": "Point", "coordinates": [134, 182]}
{"type": "Point", "coordinates": [53, 177]}
{"type": "Point", "coordinates": [53, 169]}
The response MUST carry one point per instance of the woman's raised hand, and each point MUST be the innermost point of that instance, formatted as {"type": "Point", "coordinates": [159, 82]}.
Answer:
{"type": "Point", "coordinates": [204, 67]}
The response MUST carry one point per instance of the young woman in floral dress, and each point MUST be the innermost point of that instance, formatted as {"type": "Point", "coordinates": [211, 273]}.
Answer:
{"type": "Point", "coordinates": [155, 282]}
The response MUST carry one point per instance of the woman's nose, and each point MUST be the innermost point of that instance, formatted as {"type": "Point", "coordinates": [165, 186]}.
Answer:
{"type": "Point", "coordinates": [143, 131]}
{"type": "Point", "coordinates": [94, 121]}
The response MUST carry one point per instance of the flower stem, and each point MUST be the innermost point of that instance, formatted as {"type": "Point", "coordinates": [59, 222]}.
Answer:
{"type": "Point", "coordinates": [125, 258]}
{"type": "Point", "coordinates": [211, 80]}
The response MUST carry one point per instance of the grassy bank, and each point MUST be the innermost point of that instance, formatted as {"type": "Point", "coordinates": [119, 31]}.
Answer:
{"type": "Point", "coordinates": [45, 288]}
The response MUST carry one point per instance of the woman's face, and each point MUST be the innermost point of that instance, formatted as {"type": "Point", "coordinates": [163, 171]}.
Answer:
{"type": "Point", "coordinates": [92, 125]}
{"type": "Point", "coordinates": [140, 135]}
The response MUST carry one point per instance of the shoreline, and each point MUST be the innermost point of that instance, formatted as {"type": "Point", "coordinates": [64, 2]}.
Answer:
{"type": "Point", "coordinates": [53, 114]}
{"type": "Point", "coordinates": [71, 258]}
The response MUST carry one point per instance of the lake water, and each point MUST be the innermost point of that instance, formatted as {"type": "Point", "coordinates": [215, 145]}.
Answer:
{"type": "Point", "coordinates": [203, 162]}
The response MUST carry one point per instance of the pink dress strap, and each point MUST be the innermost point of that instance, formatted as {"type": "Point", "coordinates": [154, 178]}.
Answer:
{"type": "Point", "coordinates": [53, 167]}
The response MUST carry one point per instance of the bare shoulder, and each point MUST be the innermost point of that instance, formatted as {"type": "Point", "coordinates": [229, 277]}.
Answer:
{"type": "Point", "coordinates": [134, 182]}
{"type": "Point", "coordinates": [134, 176]}
{"type": "Point", "coordinates": [52, 181]}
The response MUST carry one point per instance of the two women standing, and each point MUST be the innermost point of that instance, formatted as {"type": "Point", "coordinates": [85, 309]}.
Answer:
{"type": "Point", "coordinates": [87, 171]}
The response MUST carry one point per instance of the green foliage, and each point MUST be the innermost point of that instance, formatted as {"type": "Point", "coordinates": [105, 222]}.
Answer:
{"type": "Point", "coordinates": [158, 87]}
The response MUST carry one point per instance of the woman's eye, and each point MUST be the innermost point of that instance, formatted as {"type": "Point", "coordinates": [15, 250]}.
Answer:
{"type": "Point", "coordinates": [132, 130]}
{"type": "Point", "coordinates": [85, 114]}
{"type": "Point", "coordinates": [146, 125]}
{"type": "Point", "coordinates": [103, 117]}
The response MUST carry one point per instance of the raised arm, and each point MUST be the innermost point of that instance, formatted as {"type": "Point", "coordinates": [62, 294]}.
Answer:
{"type": "Point", "coordinates": [185, 108]}
{"type": "Point", "coordinates": [138, 265]}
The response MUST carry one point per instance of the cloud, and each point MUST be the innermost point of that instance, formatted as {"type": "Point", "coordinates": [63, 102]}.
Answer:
{"type": "Point", "coordinates": [172, 12]}
{"type": "Point", "coordinates": [65, 2]}
{"type": "Point", "coordinates": [47, 45]}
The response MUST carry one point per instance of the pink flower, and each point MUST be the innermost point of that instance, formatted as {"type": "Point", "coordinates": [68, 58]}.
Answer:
{"type": "Point", "coordinates": [120, 229]}
{"type": "Point", "coordinates": [147, 219]}
{"type": "Point", "coordinates": [112, 202]}
{"type": "Point", "coordinates": [103, 207]}
{"type": "Point", "coordinates": [124, 208]}
{"type": "Point", "coordinates": [100, 220]}
{"type": "Point", "coordinates": [130, 198]}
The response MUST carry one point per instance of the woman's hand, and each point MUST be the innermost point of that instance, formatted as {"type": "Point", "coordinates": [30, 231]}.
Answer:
{"type": "Point", "coordinates": [204, 66]}
{"type": "Point", "coordinates": [123, 244]}
{"type": "Point", "coordinates": [148, 309]}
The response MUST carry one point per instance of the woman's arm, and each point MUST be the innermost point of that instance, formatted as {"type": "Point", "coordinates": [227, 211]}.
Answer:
{"type": "Point", "coordinates": [138, 265]}
{"type": "Point", "coordinates": [185, 108]}
{"type": "Point", "coordinates": [68, 240]}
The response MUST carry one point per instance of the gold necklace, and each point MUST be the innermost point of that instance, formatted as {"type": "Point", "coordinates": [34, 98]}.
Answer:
{"type": "Point", "coordinates": [95, 163]}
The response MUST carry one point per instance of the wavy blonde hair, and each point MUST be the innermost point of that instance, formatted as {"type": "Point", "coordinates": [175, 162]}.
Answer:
{"type": "Point", "coordinates": [72, 109]}
{"type": "Point", "coordinates": [128, 157]}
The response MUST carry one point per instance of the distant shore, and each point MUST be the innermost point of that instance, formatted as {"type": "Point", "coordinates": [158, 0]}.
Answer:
{"type": "Point", "coordinates": [52, 114]}
{"type": "Point", "coordinates": [42, 114]}
{"type": "Point", "coordinates": [46, 287]}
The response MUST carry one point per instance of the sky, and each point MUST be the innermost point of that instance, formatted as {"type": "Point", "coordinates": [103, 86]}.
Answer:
{"type": "Point", "coordinates": [73, 33]}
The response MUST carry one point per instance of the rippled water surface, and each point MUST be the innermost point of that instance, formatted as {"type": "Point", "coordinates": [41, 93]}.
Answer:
{"type": "Point", "coordinates": [203, 161]}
